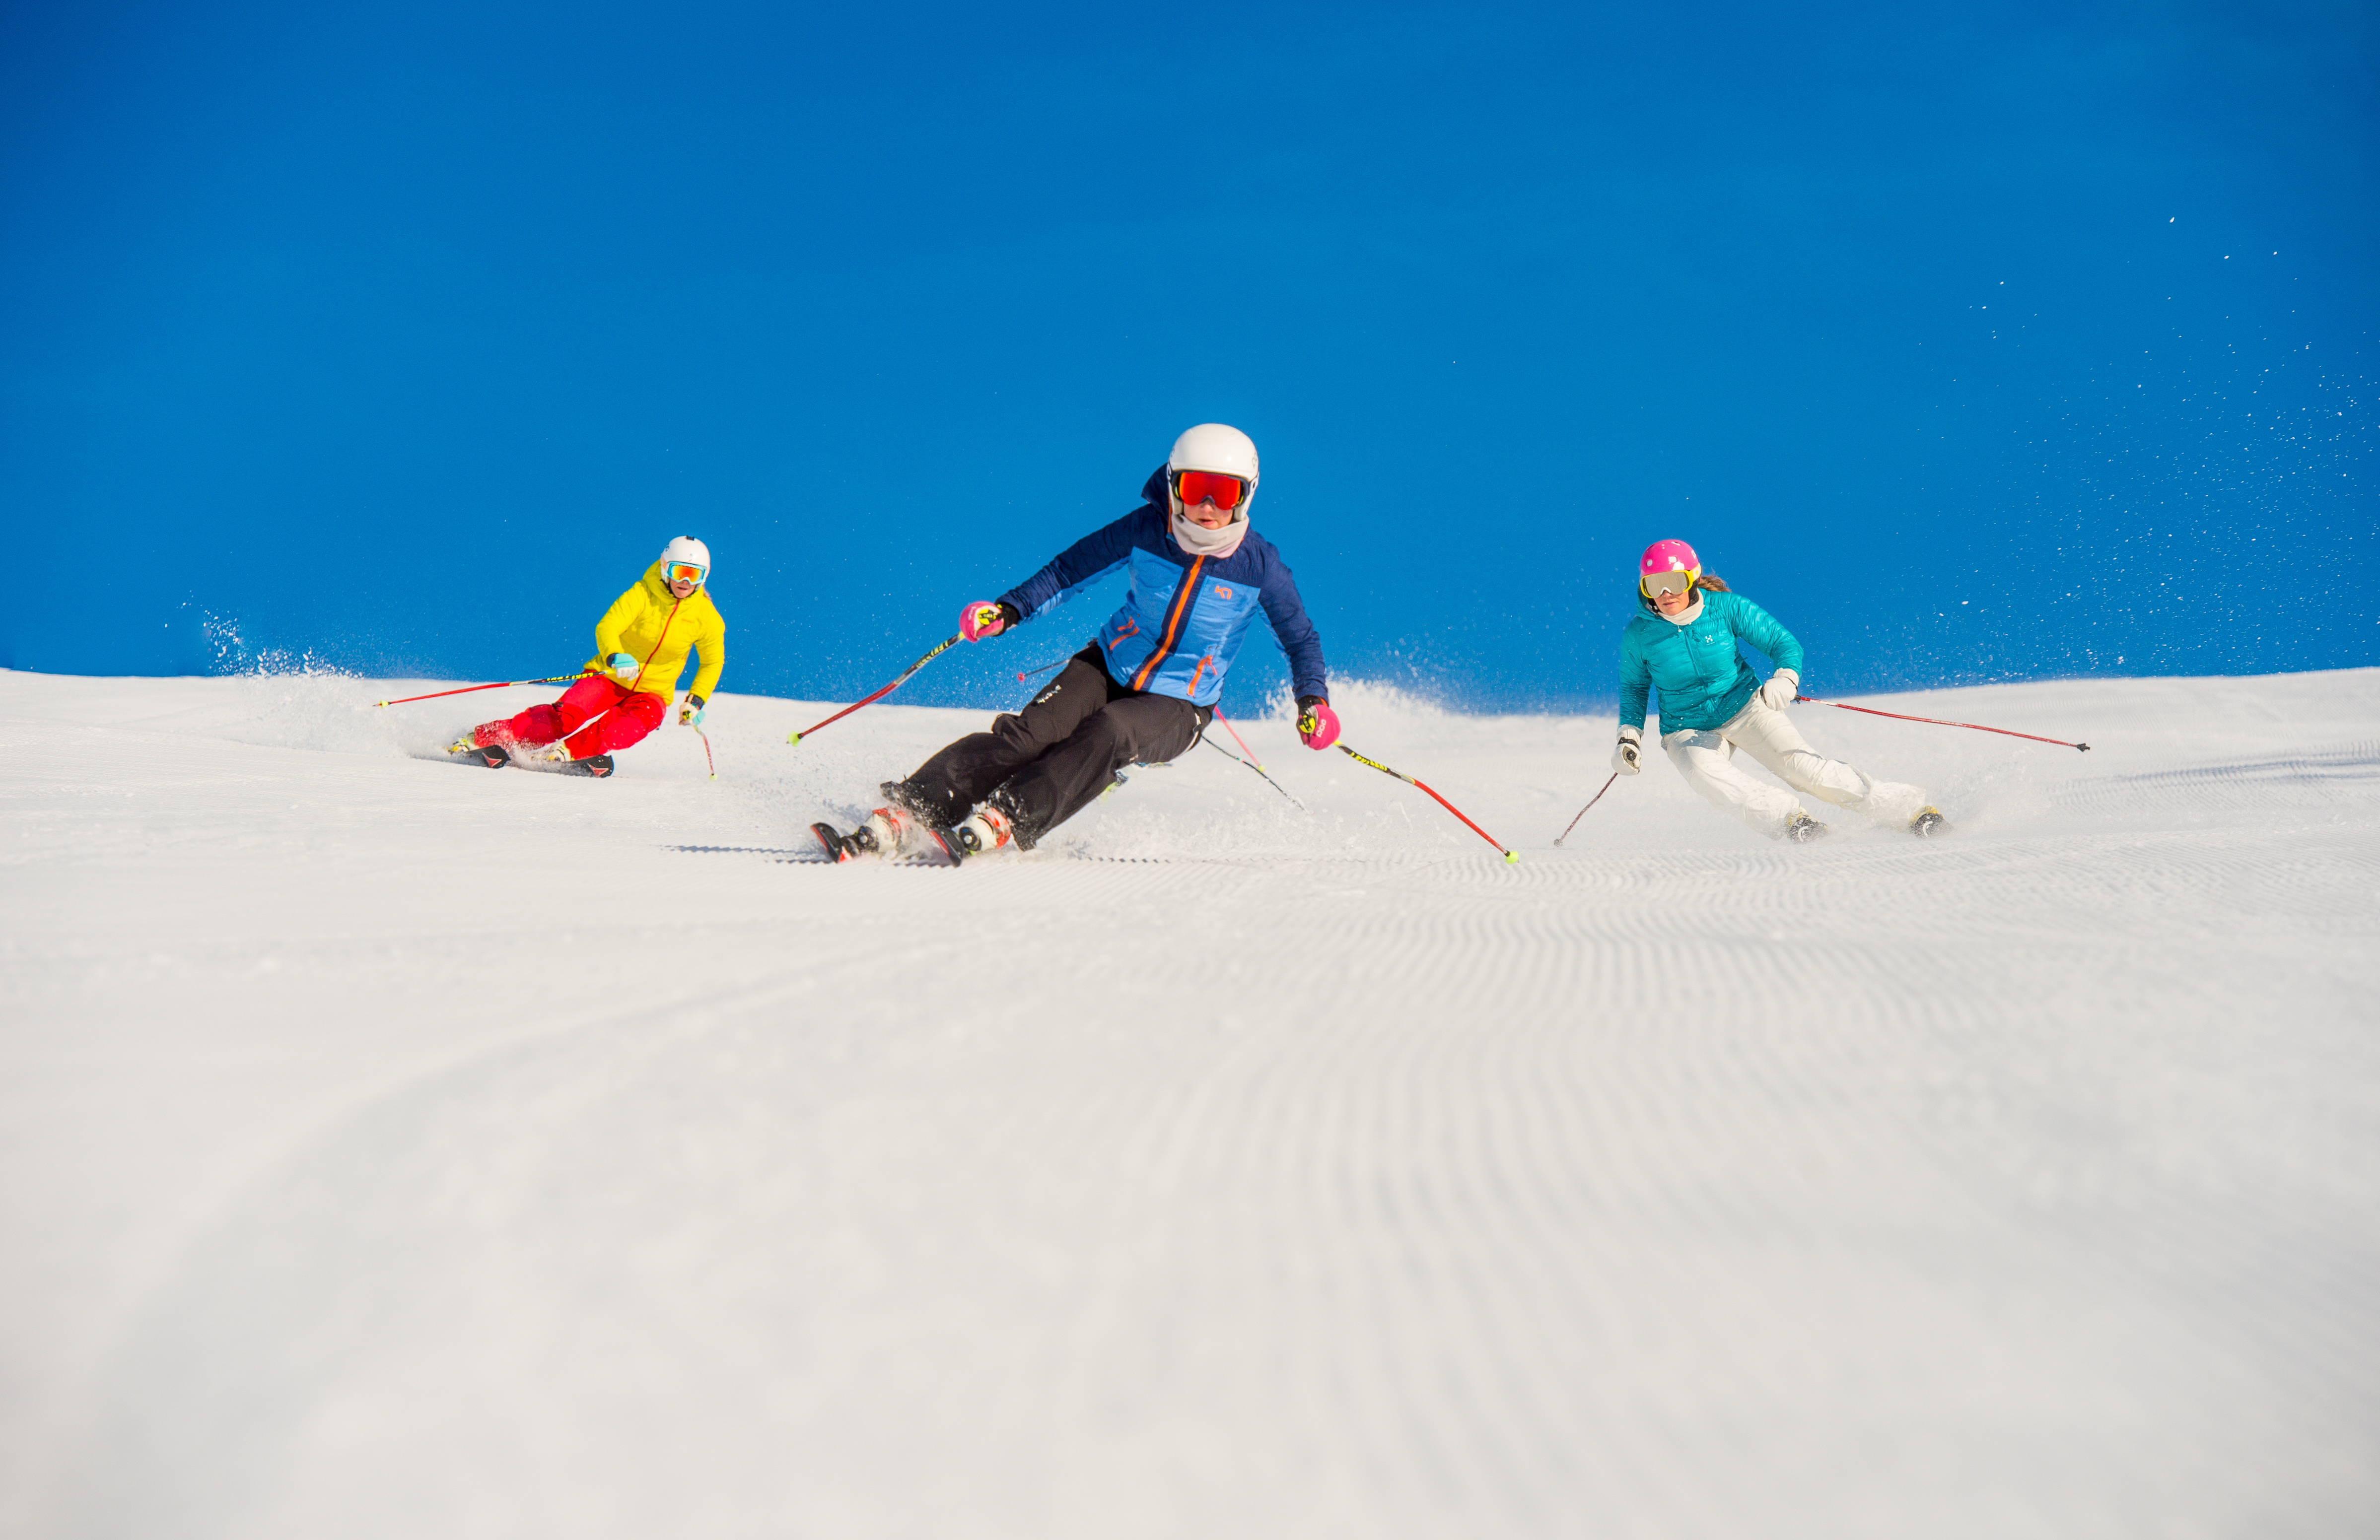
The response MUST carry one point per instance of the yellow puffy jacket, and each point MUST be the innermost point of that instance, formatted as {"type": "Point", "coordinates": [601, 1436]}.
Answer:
{"type": "Point", "coordinates": [657, 628]}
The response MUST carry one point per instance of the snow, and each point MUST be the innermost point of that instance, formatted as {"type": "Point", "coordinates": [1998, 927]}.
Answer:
{"type": "Point", "coordinates": [391, 1147]}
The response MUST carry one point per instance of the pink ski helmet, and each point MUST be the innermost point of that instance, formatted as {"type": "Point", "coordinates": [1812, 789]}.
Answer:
{"type": "Point", "coordinates": [1667, 557]}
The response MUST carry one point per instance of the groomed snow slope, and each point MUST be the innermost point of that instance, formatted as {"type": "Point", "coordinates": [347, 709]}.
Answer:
{"type": "Point", "coordinates": [395, 1148]}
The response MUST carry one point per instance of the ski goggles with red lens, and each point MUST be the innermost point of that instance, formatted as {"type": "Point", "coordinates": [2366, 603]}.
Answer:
{"type": "Point", "coordinates": [1193, 487]}
{"type": "Point", "coordinates": [1655, 583]}
{"type": "Point", "coordinates": [683, 571]}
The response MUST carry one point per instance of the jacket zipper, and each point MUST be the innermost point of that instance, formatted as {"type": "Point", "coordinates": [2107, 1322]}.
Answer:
{"type": "Point", "coordinates": [1172, 624]}
{"type": "Point", "coordinates": [657, 645]}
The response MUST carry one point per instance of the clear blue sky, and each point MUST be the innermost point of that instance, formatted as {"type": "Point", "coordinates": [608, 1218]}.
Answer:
{"type": "Point", "coordinates": [1992, 342]}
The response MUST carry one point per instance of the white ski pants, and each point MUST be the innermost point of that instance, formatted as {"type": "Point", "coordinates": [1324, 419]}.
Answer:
{"type": "Point", "coordinates": [1706, 758]}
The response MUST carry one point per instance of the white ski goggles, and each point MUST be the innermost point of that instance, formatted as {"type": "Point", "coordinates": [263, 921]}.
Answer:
{"type": "Point", "coordinates": [1655, 583]}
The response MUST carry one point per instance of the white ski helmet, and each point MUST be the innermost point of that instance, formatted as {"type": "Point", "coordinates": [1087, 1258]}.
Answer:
{"type": "Point", "coordinates": [1219, 447]}
{"type": "Point", "coordinates": [685, 548]}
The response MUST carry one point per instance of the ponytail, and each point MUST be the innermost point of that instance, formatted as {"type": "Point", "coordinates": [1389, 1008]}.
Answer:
{"type": "Point", "coordinates": [1712, 581]}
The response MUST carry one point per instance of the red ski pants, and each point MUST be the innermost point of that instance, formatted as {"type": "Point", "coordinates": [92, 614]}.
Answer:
{"type": "Point", "coordinates": [626, 716]}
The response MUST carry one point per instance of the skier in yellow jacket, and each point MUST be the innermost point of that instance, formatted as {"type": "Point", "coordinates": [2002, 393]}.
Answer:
{"type": "Point", "coordinates": [641, 645]}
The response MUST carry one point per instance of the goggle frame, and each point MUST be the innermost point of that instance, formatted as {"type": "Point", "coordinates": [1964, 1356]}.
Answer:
{"type": "Point", "coordinates": [1227, 491]}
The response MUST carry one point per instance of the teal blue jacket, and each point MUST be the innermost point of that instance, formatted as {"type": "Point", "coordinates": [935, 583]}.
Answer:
{"type": "Point", "coordinates": [1704, 680]}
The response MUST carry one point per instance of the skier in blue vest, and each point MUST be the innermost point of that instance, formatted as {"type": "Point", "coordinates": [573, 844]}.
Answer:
{"type": "Point", "coordinates": [1712, 704]}
{"type": "Point", "coordinates": [1140, 692]}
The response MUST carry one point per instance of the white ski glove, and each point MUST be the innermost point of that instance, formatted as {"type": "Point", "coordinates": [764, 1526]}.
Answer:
{"type": "Point", "coordinates": [623, 667]}
{"type": "Point", "coordinates": [1624, 758]}
{"type": "Point", "coordinates": [1782, 686]}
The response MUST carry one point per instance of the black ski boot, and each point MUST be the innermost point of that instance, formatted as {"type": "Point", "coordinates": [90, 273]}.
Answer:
{"type": "Point", "coordinates": [1803, 828]}
{"type": "Point", "coordinates": [1929, 823]}
{"type": "Point", "coordinates": [596, 765]}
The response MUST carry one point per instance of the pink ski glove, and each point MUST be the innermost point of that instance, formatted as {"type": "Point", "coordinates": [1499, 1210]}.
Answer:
{"type": "Point", "coordinates": [986, 618]}
{"type": "Point", "coordinates": [1317, 724]}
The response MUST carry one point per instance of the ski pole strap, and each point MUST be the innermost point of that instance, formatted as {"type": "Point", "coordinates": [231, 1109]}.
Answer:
{"type": "Point", "coordinates": [1582, 812]}
{"type": "Point", "coordinates": [948, 642]}
{"type": "Point", "coordinates": [1937, 722]}
{"type": "Point", "coordinates": [1510, 856]}
{"type": "Point", "coordinates": [499, 685]}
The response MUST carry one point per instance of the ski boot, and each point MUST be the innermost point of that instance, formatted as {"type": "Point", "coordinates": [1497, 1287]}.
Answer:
{"type": "Point", "coordinates": [891, 831]}
{"type": "Point", "coordinates": [1804, 829]}
{"type": "Point", "coordinates": [981, 832]}
{"type": "Point", "coordinates": [1929, 823]}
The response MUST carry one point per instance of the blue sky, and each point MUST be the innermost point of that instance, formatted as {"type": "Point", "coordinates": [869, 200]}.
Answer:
{"type": "Point", "coordinates": [1995, 342]}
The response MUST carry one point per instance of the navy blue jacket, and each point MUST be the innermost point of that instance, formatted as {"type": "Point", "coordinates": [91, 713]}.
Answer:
{"type": "Point", "coordinates": [1186, 617]}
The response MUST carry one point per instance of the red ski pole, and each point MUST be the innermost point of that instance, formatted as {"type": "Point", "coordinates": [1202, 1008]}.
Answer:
{"type": "Point", "coordinates": [1510, 856]}
{"type": "Point", "coordinates": [1937, 722]}
{"type": "Point", "coordinates": [1235, 732]}
{"type": "Point", "coordinates": [948, 642]}
{"type": "Point", "coordinates": [499, 685]}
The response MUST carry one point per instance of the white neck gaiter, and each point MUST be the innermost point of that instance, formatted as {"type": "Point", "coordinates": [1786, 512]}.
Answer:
{"type": "Point", "coordinates": [1686, 616]}
{"type": "Point", "coordinates": [1199, 540]}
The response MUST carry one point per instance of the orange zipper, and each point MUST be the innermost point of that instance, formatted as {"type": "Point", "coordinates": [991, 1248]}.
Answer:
{"type": "Point", "coordinates": [1173, 622]}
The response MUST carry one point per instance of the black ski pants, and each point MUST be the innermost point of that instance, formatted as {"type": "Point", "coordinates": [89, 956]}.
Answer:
{"type": "Point", "coordinates": [1044, 764]}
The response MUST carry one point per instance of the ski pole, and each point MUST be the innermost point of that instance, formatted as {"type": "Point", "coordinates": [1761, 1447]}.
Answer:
{"type": "Point", "coordinates": [1937, 722]}
{"type": "Point", "coordinates": [1582, 812]}
{"type": "Point", "coordinates": [1235, 732]}
{"type": "Point", "coordinates": [1031, 673]}
{"type": "Point", "coordinates": [948, 642]}
{"type": "Point", "coordinates": [1510, 856]}
{"type": "Point", "coordinates": [499, 685]}
{"type": "Point", "coordinates": [1252, 765]}
{"type": "Point", "coordinates": [706, 751]}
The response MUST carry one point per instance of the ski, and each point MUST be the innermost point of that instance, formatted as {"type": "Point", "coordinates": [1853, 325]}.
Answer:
{"type": "Point", "coordinates": [901, 839]}
{"type": "Point", "coordinates": [463, 751]}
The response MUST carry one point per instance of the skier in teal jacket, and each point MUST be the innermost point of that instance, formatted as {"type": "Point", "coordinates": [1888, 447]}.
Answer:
{"type": "Point", "coordinates": [1712, 703]}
